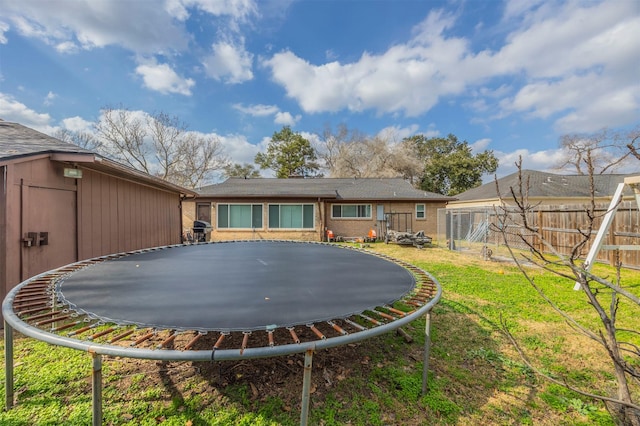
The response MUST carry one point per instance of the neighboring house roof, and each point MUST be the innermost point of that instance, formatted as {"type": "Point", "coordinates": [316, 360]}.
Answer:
{"type": "Point", "coordinates": [18, 142]}
{"type": "Point", "coordinates": [546, 185]}
{"type": "Point", "coordinates": [328, 188]}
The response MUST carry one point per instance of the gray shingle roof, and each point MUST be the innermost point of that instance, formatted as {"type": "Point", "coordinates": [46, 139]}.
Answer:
{"type": "Point", "coordinates": [18, 141]}
{"type": "Point", "coordinates": [332, 188]}
{"type": "Point", "coordinates": [546, 185]}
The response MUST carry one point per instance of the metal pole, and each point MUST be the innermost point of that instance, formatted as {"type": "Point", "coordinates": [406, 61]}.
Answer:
{"type": "Point", "coordinates": [96, 391]}
{"type": "Point", "coordinates": [8, 365]}
{"type": "Point", "coordinates": [306, 387]}
{"type": "Point", "coordinates": [427, 348]}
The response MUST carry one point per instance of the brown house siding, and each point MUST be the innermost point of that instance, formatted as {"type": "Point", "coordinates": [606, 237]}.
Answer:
{"type": "Point", "coordinates": [118, 215]}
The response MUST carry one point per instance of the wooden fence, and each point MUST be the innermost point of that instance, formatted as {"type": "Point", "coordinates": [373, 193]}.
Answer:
{"type": "Point", "coordinates": [562, 226]}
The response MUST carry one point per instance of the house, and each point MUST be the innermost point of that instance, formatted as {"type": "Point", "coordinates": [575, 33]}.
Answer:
{"type": "Point", "coordinates": [543, 188]}
{"type": "Point", "coordinates": [60, 203]}
{"type": "Point", "coordinates": [558, 206]}
{"type": "Point", "coordinates": [305, 209]}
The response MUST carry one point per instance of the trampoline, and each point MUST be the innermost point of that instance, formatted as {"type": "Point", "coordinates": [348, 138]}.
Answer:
{"type": "Point", "coordinates": [257, 299]}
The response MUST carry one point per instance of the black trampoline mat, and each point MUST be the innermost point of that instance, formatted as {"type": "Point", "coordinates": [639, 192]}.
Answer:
{"type": "Point", "coordinates": [236, 286]}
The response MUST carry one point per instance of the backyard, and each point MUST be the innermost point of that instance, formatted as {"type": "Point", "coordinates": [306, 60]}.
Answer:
{"type": "Point", "coordinates": [476, 375]}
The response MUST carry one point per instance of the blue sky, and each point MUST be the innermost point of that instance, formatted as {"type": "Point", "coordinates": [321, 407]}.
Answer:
{"type": "Point", "coordinates": [510, 76]}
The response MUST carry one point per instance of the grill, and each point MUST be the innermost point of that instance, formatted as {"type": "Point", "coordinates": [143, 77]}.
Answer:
{"type": "Point", "coordinates": [201, 230]}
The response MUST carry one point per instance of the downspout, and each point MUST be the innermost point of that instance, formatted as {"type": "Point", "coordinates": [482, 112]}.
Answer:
{"type": "Point", "coordinates": [322, 225]}
{"type": "Point", "coordinates": [22, 277]}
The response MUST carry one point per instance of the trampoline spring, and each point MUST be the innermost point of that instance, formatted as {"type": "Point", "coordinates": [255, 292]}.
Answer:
{"type": "Point", "coordinates": [294, 336]}
{"type": "Point", "coordinates": [83, 329]}
{"type": "Point", "coordinates": [395, 311]}
{"type": "Point", "coordinates": [51, 320]}
{"type": "Point", "coordinates": [270, 336]}
{"type": "Point", "coordinates": [65, 326]}
{"type": "Point", "coordinates": [102, 333]}
{"type": "Point", "coordinates": [245, 341]}
{"type": "Point", "coordinates": [371, 320]}
{"type": "Point", "coordinates": [26, 300]}
{"type": "Point", "coordinates": [192, 341]}
{"type": "Point", "coordinates": [355, 324]}
{"type": "Point", "coordinates": [337, 328]}
{"type": "Point", "coordinates": [143, 338]}
{"type": "Point", "coordinates": [30, 293]}
{"type": "Point", "coordinates": [219, 341]}
{"type": "Point", "coordinates": [121, 336]}
{"type": "Point", "coordinates": [33, 309]}
{"type": "Point", "coordinates": [385, 315]}
{"type": "Point", "coordinates": [40, 316]}
{"type": "Point", "coordinates": [168, 340]}
{"type": "Point", "coordinates": [316, 331]}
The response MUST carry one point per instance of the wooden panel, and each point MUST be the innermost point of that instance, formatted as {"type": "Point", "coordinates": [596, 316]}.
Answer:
{"type": "Point", "coordinates": [126, 216]}
{"type": "Point", "coordinates": [52, 211]}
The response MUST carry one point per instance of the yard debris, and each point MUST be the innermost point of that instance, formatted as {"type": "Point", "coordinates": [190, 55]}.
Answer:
{"type": "Point", "coordinates": [419, 239]}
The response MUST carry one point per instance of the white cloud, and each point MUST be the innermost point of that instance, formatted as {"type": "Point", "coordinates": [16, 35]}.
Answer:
{"type": "Point", "coordinates": [14, 111]}
{"type": "Point", "coordinates": [396, 133]}
{"type": "Point", "coordinates": [480, 145]}
{"type": "Point", "coordinates": [238, 148]}
{"type": "Point", "coordinates": [163, 79]}
{"type": "Point", "coordinates": [77, 124]}
{"type": "Point", "coordinates": [564, 55]}
{"type": "Point", "coordinates": [4, 27]}
{"type": "Point", "coordinates": [545, 160]}
{"type": "Point", "coordinates": [258, 110]}
{"type": "Point", "coordinates": [139, 26]}
{"type": "Point", "coordinates": [286, 119]}
{"type": "Point", "coordinates": [229, 63]}
{"type": "Point", "coordinates": [48, 100]}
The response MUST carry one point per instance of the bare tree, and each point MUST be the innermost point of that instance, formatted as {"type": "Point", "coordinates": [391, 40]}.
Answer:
{"type": "Point", "coordinates": [633, 139]}
{"type": "Point", "coordinates": [160, 145]}
{"type": "Point", "coordinates": [82, 139]}
{"type": "Point", "coordinates": [351, 154]}
{"type": "Point", "coordinates": [608, 151]}
{"type": "Point", "coordinates": [123, 134]}
{"type": "Point", "coordinates": [202, 156]}
{"type": "Point", "coordinates": [603, 294]}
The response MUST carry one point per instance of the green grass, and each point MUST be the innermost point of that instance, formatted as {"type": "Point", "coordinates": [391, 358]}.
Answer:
{"type": "Point", "coordinates": [476, 376]}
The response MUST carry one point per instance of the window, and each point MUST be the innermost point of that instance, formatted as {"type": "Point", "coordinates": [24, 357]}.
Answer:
{"type": "Point", "coordinates": [420, 211]}
{"type": "Point", "coordinates": [239, 216]}
{"type": "Point", "coordinates": [291, 216]}
{"type": "Point", "coordinates": [203, 212]}
{"type": "Point", "coordinates": [360, 211]}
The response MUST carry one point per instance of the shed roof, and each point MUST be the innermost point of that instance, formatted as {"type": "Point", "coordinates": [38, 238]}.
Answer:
{"type": "Point", "coordinates": [20, 142]}
{"type": "Point", "coordinates": [546, 185]}
{"type": "Point", "coordinates": [329, 188]}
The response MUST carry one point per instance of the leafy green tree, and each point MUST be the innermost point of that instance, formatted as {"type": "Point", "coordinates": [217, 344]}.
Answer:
{"type": "Point", "coordinates": [450, 167]}
{"type": "Point", "coordinates": [246, 171]}
{"type": "Point", "coordinates": [289, 154]}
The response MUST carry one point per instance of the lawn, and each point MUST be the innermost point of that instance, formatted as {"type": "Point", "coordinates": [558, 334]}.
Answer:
{"type": "Point", "coordinates": [476, 375]}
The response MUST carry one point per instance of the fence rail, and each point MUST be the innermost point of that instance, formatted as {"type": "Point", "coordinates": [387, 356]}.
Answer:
{"type": "Point", "coordinates": [564, 227]}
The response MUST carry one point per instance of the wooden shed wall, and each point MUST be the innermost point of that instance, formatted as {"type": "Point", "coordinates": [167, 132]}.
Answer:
{"type": "Point", "coordinates": [96, 215]}
{"type": "Point", "coordinates": [117, 215]}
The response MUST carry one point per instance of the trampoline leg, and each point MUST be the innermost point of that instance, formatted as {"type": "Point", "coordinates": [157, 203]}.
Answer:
{"type": "Point", "coordinates": [427, 348]}
{"type": "Point", "coordinates": [96, 394]}
{"type": "Point", "coordinates": [306, 387]}
{"type": "Point", "coordinates": [8, 363]}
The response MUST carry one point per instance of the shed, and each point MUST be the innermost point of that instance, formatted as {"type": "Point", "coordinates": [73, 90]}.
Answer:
{"type": "Point", "coordinates": [60, 203]}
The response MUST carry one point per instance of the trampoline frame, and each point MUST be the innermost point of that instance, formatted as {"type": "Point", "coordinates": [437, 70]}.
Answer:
{"type": "Point", "coordinates": [46, 282]}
